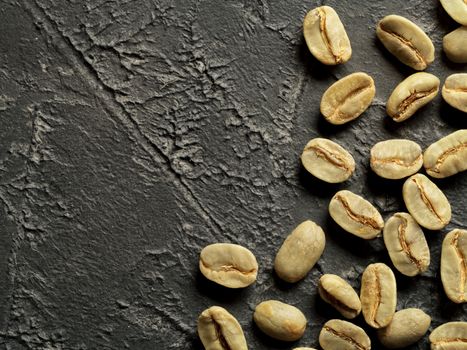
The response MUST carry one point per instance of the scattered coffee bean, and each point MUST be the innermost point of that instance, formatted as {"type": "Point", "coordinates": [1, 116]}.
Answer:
{"type": "Point", "coordinates": [219, 330]}
{"type": "Point", "coordinates": [406, 328]}
{"type": "Point", "coordinates": [347, 98]}
{"type": "Point", "coordinates": [455, 91]}
{"type": "Point", "coordinates": [455, 45]}
{"type": "Point", "coordinates": [343, 335]}
{"type": "Point", "coordinates": [447, 156]}
{"type": "Point", "coordinates": [396, 159]}
{"type": "Point", "coordinates": [406, 41]}
{"type": "Point", "coordinates": [426, 202]}
{"type": "Point", "coordinates": [406, 244]}
{"type": "Point", "coordinates": [411, 94]}
{"type": "Point", "coordinates": [229, 265]}
{"type": "Point", "coordinates": [279, 320]}
{"type": "Point", "coordinates": [378, 295]}
{"type": "Point", "coordinates": [454, 265]}
{"type": "Point", "coordinates": [327, 160]}
{"type": "Point", "coordinates": [337, 292]}
{"type": "Point", "coordinates": [300, 252]}
{"type": "Point", "coordinates": [457, 9]}
{"type": "Point", "coordinates": [449, 336]}
{"type": "Point", "coordinates": [355, 215]}
{"type": "Point", "coordinates": [326, 37]}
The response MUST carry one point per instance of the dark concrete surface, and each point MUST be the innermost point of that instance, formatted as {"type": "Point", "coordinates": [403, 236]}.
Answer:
{"type": "Point", "coordinates": [133, 133]}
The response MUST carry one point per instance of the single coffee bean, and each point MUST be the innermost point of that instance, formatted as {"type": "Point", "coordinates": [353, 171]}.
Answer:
{"type": "Point", "coordinates": [405, 40]}
{"type": "Point", "coordinates": [406, 244]}
{"type": "Point", "coordinates": [279, 320]}
{"type": "Point", "coordinates": [455, 45]}
{"type": "Point", "coordinates": [300, 252]}
{"type": "Point", "coordinates": [343, 335]}
{"type": "Point", "coordinates": [347, 98]}
{"type": "Point", "coordinates": [327, 160]}
{"type": "Point", "coordinates": [449, 336]}
{"type": "Point", "coordinates": [457, 9]}
{"type": "Point", "coordinates": [447, 156]}
{"type": "Point", "coordinates": [411, 94]}
{"type": "Point", "coordinates": [337, 292]}
{"type": "Point", "coordinates": [219, 330]}
{"type": "Point", "coordinates": [406, 328]}
{"type": "Point", "coordinates": [326, 37]}
{"type": "Point", "coordinates": [454, 265]}
{"type": "Point", "coordinates": [355, 215]}
{"type": "Point", "coordinates": [426, 202]}
{"type": "Point", "coordinates": [378, 295]}
{"type": "Point", "coordinates": [229, 265]}
{"type": "Point", "coordinates": [455, 91]}
{"type": "Point", "coordinates": [396, 159]}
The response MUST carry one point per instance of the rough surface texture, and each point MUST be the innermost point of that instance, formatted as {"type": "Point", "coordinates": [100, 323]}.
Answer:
{"type": "Point", "coordinates": [134, 133]}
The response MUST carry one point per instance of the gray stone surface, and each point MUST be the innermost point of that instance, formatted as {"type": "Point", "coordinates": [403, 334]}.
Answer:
{"type": "Point", "coordinates": [133, 133]}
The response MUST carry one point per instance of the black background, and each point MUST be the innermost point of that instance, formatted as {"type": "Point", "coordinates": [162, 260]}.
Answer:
{"type": "Point", "coordinates": [134, 133]}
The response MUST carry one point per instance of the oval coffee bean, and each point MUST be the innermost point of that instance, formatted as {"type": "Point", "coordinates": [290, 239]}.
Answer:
{"type": "Point", "coordinates": [447, 156]}
{"type": "Point", "coordinates": [405, 40]}
{"type": "Point", "coordinates": [406, 328]}
{"type": "Point", "coordinates": [406, 244]}
{"type": "Point", "coordinates": [279, 320]}
{"type": "Point", "coordinates": [326, 37]}
{"type": "Point", "coordinates": [327, 160]}
{"type": "Point", "coordinates": [396, 159]}
{"type": "Point", "coordinates": [219, 330]}
{"type": "Point", "coordinates": [343, 335]}
{"type": "Point", "coordinates": [378, 295]}
{"type": "Point", "coordinates": [347, 98]}
{"type": "Point", "coordinates": [426, 202]}
{"type": "Point", "coordinates": [455, 91]}
{"type": "Point", "coordinates": [355, 215]}
{"type": "Point", "coordinates": [337, 292]}
{"type": "Point", "coordinates": [457, 9]}
{"type": "Point", "coordinates": [300, 252]}
{"type": "Point", "coordinates": [411, 94]}
{"type": "Point", "coordinates": [449, 336]}
{"type": "Point", "coordinates": [455, 45]}
{"type": "Point", "coordinates": [454, 265]}
{"type": "Point", "coordinates": [229, 265]}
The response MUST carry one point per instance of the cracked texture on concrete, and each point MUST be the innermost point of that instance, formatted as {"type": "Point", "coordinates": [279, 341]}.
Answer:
{"type": "Point", "coordinates": [134, 133]}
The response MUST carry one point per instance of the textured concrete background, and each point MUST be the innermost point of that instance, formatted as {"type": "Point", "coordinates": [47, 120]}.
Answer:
{"type": "Point", "coordinates": [133, 133]}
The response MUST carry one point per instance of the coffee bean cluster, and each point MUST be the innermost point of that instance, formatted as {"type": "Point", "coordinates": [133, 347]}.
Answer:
{"type": "Point", "coordinates": [234, 266]}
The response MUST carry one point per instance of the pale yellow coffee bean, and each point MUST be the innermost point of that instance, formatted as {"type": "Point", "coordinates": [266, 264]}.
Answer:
{"type": "Point", "coordinates": [219, 330]}
{"type": "Point", "coordinates": [300, 252]}
{"type": "Point", "coordinates": [279, 320]}
{"type": "Point", "coordinates": [455, 91]}
{"type": "Point", "coordinates": [455, 45]}
{"type": "Point", "coordinates": [457, 9]}
{"type": "Point", "coordinates": [327, 160]}
{"type": "Point", "coordinates": [326, 37]}
{"type": "Point", "coordinates": [426, 202]}
{"type": "Point", "coordinates": [411, 94]}
{"type": "Point", "coordinates": [337, 292]}
{"type": "Point", "coordinates": [355, 215]}
{"type": "Point", "coordinates": [406, 41]}
{"type": "Point", "coordinates": [347, 98]}
{"type": "Point", "coordinates": [406, 328]}
{"type": "Point", "coordinates": [406, 244]}
{"type": "Point", "coordinates": [396, 159]}
{"type": "Point", "coordinates": [447, 156]}
{"type": "Point", "coordinates": [454, 265]}
{"type": "Point", "coordinates": [449, 336]}
{"type": "Point", "coordinates": [378, 295]}
{"type": "Point", "coordinates": [343, 335]}
{"type": "Point", "coordinates": [229, 265]}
